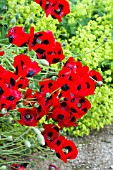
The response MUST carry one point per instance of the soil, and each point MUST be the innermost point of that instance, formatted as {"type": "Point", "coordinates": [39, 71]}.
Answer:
{"type": "Point", "coordinates": [95, 153]}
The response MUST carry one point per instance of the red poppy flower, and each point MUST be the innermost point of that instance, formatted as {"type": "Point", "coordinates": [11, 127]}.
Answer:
{"type": "Point", "coordinates": [19, 166]}
{"type": "Point", "coordinates": [9, 78]}
{"type": "Point", "coordinates": [54, 54]}
{"type": "Point", "coordinates": [24, 67]}
{"type": "Point", "coordinates": [95, 75]}
{"type": "Point", "coordinates": [48, 85]}
{"type": "Point", "coordinates": [60, 114]}
{"type": "Point", "coordinates": [42, 41]}
{"type": "Point", "coordinates": [10, 99]}
{"type": "Point", "coordinates": [22, 82]}
{"type": "Point", "coordinates": [2, 53]}
{"type": "Point", "coordinates": [66, 149]}
{"type": "Point", "coordinates": [57, 9]}
{"type": "Point", "coordinates": [50, 133]}
{"type": "Point", "coordinates": [17, 36]}
{"type": "Point", "coordinates": [62, 8]}
{"type": "Point", "coordinates": [28, 117]}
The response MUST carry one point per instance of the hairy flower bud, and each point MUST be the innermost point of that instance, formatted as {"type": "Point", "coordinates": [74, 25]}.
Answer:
{"type": "Point", "coordinates": [41, 139]}
{"type": "Point", "coordinates": [27, 143]}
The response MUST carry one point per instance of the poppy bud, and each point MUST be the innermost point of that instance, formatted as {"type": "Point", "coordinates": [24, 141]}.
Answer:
{"type": "Point", "coordinates": [20, 105]}
{"type": "Point", "coordinates": [10, 119]}
{"type": "Point", "coordinates": [36, 105]}
{"type": "Point", "coordinates": [31, 85]}
{"type": "Point", "coordinates": [31, 21]}
{"type": "Point", "coordinates": [17, 16]}
{"type": "Point", "coordinates": [27, 143]}
{"type": "Point", "coordinates": [53, 77]}
{"type": "Point", "coordinates": [3, 167]}
{"type": "Point", "coordinates": [100, 83]}
{"type": "Point", "coordinates": [48, 95]}
{"type": "Point", "coordinates": [36, 130]}
{"type": "Point", "coordinates": [4, 111]}
{"type": "Point", "coordinates": [41, 139]}
{"type": "Point", "coordinates": [9, 138]}
{"type": "Point", "coordinates": [13, 21]}
{"type": "Point", "coordinates": [44, 62]}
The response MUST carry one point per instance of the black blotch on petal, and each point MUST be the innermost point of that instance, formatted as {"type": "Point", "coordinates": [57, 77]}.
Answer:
{"type": "Point", "coordinates": [20, 86]}
{"type": "Point", "coordinates": [45, 42]}
{"type": "Point", "coordinates": [73, 110]}
{"type": "Point", "coordinates": [50, 134]}
{"type": "Point", "coordinates": [63, 104]}
{"type": "Point", "coordinates": [22, 63]}
{"type": "Point", "coordinates": [11, 98]}
{"type": "Point", "coordinates": [1, 91]}
{"type": "Point", "coordinates": [56, 128]}
{"type": "Point", "coordinates": [78, 87]}
{"type": "Point", "coordinates": [60, 116]}
{"type": "Point", "coordinates": [85, 110]}
{"type": "Point", "coordinates": [39, 109]}
{"type": "Point", "coordinates": [40, 2]}
{"type": "Point", "coordinates": [65, 87]}
{"type": "Point", "coordinates": [58, 155]}
{"type": "Point", "coordinates": [69, 148]}
{"type": "Point", "coordinates": [55, 60]}
{"type": "Point", "coordinates": [73, 119]}
{"type": "Point", "coordinates": [72, 100]}
{"type": "Point", "coordinates": [82, 100]}
{"type": "Point", "coordinates": [88, 85]}
{"type": "Point", "coordinates": [39, 50]}
{"type": "Point", "coordinates": [43, 56]}
{"type": "Point", "coordinates": [30, 74]}
{"type": "Point", "coordinates": [12, 81]}
{"type": "Point", "coordinates": [49, 84]}
{"type": "Point", "coordinates": [10, 38]}
{"type": "Point", "coordinates": [16, 70]}
{"type": "Point", "coordinates": [58, 142]}
{"type": "Point", "coordinates": [94, 77]}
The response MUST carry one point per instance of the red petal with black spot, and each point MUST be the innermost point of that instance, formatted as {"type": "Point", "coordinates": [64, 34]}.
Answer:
{"type": "Point", "coordinates": [60, 114]}
{"type": "Point", "coordinates": [42, 41]}
{"type": "Point", "coordinates": [28, 117]}
{"type": "Point", "coordinates": [22, 82]}
{"type": "Point", "coordinates": [48, 85]}
{"type": "Point", "coordinates": [9, 78]}
{"type": "Point", "coordinates": [50, 133]}
{"type": "Point", "coordinates": [57, 9]}
{"type": "Point", "coordinates": [95, 75]}
{"type": "Point", "coordinates": [55, 54]}
{"type": "Point", "coordinates": [9, 101]}
{"type": "Point", "coordinates": [24, 67]}
{"type": "Point", "coordinates": [61, 9]}
{"type": "Point", "coordinates": [66, 150]}
{"type": "Point", "coordinates": [17, 36]}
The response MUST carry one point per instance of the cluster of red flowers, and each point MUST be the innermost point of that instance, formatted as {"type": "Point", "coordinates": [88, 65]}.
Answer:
{"type": "Point", "coordinates": [43, 43]}
{"type": "Point", "coordinates": [64, 148]}
{"type": "Point", "coordinates": [11, 82]}
{"type": "Point", "coordinates": [56, 8]}
{"type": "Point", "coordinates": [63, 99]}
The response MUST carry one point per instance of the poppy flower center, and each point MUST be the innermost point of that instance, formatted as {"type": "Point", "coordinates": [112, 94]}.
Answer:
{"type": "Point", "coordinates": [28, 116]}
